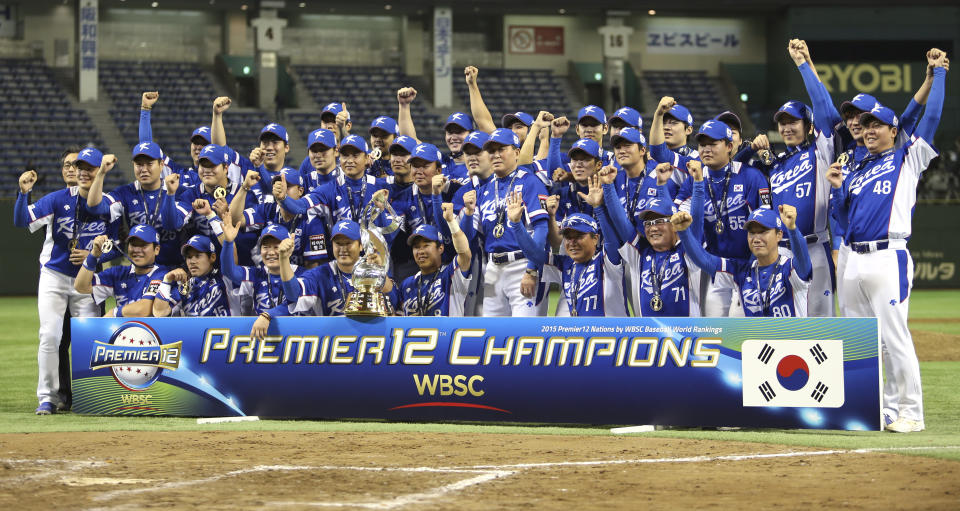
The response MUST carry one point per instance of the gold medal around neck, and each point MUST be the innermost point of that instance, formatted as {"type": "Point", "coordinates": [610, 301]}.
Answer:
{"type": "Point", "coordinates": [718, 227]}
{"type": "Point", "coordinates": [185, 287]}
{"type": "Point", "coordinates": [498, 231]}
{"type": "Point", "coordinates": [766, 156]}
{"type": "Point", "coordinates": [656, 304]}
{"type": "Point", "coordinates": [843, 159]}
{"type": "Point", "coordinates": [72, 245]}
{"type": "Point", "coordinates": [106, 247]}
{"type": "Point", "coordinates": [220, 193]}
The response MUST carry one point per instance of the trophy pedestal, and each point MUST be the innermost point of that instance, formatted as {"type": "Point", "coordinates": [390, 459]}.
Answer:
{"type": "Point", "coordinates": [367, 303]}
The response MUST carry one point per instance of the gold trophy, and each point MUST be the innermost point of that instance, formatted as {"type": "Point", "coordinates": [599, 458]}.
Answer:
{"type": "Point", "coordinates": [370, 272]}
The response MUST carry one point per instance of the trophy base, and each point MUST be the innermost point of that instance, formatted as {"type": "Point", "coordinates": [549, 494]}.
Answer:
{"type": "Point", "coordinates": [368, 304]}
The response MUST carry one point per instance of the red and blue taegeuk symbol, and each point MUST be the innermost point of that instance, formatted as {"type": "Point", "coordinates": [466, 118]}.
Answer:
{"type": "Point", "coordinates": [792, 372]}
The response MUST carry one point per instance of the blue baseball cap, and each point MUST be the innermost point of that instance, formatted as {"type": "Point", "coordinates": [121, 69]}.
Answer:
{"type": "Point", "coordinates": [579, 222]}
{"type": "Point", "coordinates": [730, 119]}
{"type": "Point", "coordinates": [715, 130]}
{"type": "Point", "coordinates": [765, 217]}
{"type": "Point", "coordinates": [794, 109]}
{"type": "Point", "coordinates": [293, 176]}
{"type": "Point", "coordinates": [384, 123]}
{"type": "Point", "coordinates": [276, 231]}
{"type": "Point", "coordinates": [680, 113]}
{"type": "Point", "coordinates": [426, 152]}
{"type": "Point", "coordinates": [215, 154]}
{"type": "Point", "coordinates": [402, 143]}
{"type": "Point", "coordinates": [149, 149]}
{"type": "Point", "coordinates": [425, 231]}
{"type": "Point", "coordinates": [588, 146]}
{"type": "Point", "coordinates": [326, 138]}
{"type": "Point", "coordinates": [460, 119]}
{"type": "Point", "coordinates": [880, 113]}
{"type": "Point", "coordinates": [202, 132]}
{"type": "Point", "coordinates": [523, 117]}
{"type": "Point", "coordinates": [200, 243]}
{"type": "Point", "coordinates": [476, 139]}
{"type": "Point", "coordinates": [332, 108]}
{"type": "Point", "coordinates": [861, 102]}
{"type": "Point", "coordinates": [629, 135]}
{"type": "Point", "coordinates": [503, 136]}
{"type": "Point", "coordinates": [275, 129]}
{"type": "Point", "coordinates": [145, 233]}
{"type": "Point", "coordinates": [91, 155]}
{"type": "Point", "coordinates": [347, 228]}
{"type": "Point", "coordinates": [656, 206]}
{"type": "Point", "coordinates": [629, 116]}
{"type": "Point", "coordinates": [355, 141]}
{"type": "Point", "coordinates": [593, 112]}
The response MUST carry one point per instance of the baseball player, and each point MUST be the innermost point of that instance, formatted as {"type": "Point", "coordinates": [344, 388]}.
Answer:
{"type": "Point", "coordinates": [672, 123]}
{"type": "Point", "coordinates": [382, 131]}
{"type": "Point", "coordinates": [437, 289]}
{"type": "Point", "coordinates": [260, 287]}
{"type": "Point", "coordinates": [630, 150]}
{"type": "Point", "coordinates": [135, 286]}
{"type": "Point", "coordinates": [322, 162]}
{"type": "Point", "coordinates": [309, 229]}
{"type": "Point", "coordinates": [770, 284]}
{"type": "Point", "coordinates": [663, 279]}
{"type": "Point", "coordinates": [199, 139]}
{"type": "Point", "coordinates": [64, 249]}
{"type": "Point", "coordinates": [625, 117]}
{"type": "Point", "coordinates": [145, 201]}
{"type": "Point", "coordinates": [733, 191]}
{"type": "Point", "coordinates": [537, 132]}
{"type": "Point", "coordinates": [68, 171]}
{"type": "Point", "coordinates": [456, 129]}
{"type": "Point", "coordinates": [875, 204]}
{"type": "Point", "coordinates": [400, 151]}
{"type": "Point", "coordinates": [201, 292]}
{"type": "Point", "coordinates": [507, 263]}
{"type": "Point", "coordinates": [592, 276]}
{"type": "Point", "coordinates": [591, 124]}
{"type": "Point", "coordinates": [323, 290]}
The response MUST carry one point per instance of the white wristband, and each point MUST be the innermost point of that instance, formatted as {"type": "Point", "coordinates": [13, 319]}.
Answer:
{"type": "Point", "coordinates": [454, 226]}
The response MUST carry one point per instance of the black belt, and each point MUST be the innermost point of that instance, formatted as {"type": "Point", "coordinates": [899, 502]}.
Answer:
{"type": "Point", "coordinates": [810, 238]}
{"type": "Point", "coordinates": [865, 247]}
{"type": "Point", "coordinates": [507, 257]}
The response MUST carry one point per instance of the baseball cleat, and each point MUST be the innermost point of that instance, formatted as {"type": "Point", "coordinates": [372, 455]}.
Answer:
{"type": "Point", "coordinates": [903, 425]}
{"type": "Point", "coordinates": [46, 408]}
{"type": "Point", "coordinates": [888, 419]}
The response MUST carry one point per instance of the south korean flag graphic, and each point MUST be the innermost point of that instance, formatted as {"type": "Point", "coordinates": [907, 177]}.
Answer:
{"type": "Point", "coordinates": [792, 373]}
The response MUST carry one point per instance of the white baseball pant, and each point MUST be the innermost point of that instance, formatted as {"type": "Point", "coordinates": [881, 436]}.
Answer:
{"type": "Point", "coordinates": [54, 293]}
{"type": "Point", "coordinates": [501, 291]}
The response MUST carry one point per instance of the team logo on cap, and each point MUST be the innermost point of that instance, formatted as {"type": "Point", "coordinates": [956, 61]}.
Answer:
{"type": "Point", "coordinates": [203, 129]}
{"type": "Point", "coordinates": [86, 152]}
{"type": "Point", "coordinates": [456, 117]}
{"type": "Point", "coordinates": [144, 146]}
{"type": "Point", "coordinates": [135, 355]}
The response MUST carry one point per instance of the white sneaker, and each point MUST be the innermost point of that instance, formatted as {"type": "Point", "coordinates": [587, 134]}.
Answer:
{"type": "Point", "coordinates": [904, 425]}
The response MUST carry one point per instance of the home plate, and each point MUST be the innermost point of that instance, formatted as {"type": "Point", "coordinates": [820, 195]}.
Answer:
{"type": "Point", "coordinates": [218, 420]}
{"type": "Point", "coordinates": [646, 428]}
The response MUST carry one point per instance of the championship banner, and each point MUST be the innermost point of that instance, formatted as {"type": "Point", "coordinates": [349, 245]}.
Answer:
{"type": "Point", "coordinates": [819, 373]}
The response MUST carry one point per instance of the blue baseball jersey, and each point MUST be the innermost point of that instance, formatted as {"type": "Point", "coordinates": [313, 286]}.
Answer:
{"type": "Point", "coordinates": [454, 171]}
{"type": "Point", "coordinates": [123, 283]}
{"type": "Point", "coordinates": [666, 274]}
{"type": "Point", "coordinates": [261, 291]}
{"type": "Point", "coordinates": [66, 212]}
{"type": "Point", "coordinates": [880, 195]}
{"type": "Point", "coordinates": [594, 288]}
{"type": "Point", "coordinates": [311, 235]}
{"type": "Point", "coordinates": [799, 178]}
{"type": "Point", "coordinates": [442, 293]}
{"type": "Point", "coordinates": [678, 158]}
{"type": "Point", "coordinates": [571, 202]}
{"type": "Point", "coordinates": [344, 198]}
{"type": "Point", "coordinates": [492, 209]}
{"type": "Point", "coordinates": [641, 193]}
{"type": "Point", "coordinates": [208, 295]}
{"type": "Point", "coordinates": [246, 240]}
{"type": "Point", "coordinates": [744, 187]}
{"type": "Point", "coordinates": [786, 296]}
{"type": "Point", "coordinates": [137, 206]}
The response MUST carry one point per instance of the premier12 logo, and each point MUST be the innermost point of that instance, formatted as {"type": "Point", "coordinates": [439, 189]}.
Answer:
{"type": "Point", "coordinates": [135, 355]}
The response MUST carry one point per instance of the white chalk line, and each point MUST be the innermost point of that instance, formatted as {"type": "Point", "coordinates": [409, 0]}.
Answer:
{"type": "Point", "coordinates": [485, 473]}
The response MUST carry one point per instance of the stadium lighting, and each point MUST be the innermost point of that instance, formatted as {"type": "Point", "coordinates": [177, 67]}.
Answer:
{"type": "Point", "coordinates": [744, 97]}
{"type": "Point", "coordinates": [388, 7]}
{"type": "Point", "coordinates": [246, 70]}
{"type": "Point", "coordinates": [303, 4]}
{"type": "Point", "coordinates": [562, 11]}
{"type": "Point", "coordinates": [243, 7]}
{"type": "Point", "coordinates": [598, 76]}
{"type": "Point", "coordinates": [652, 12]}
{"type": "Point", "coordinates": [155, 4]}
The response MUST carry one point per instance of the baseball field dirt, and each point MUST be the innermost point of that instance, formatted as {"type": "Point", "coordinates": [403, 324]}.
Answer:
{"type": "Point", "coordinates": [286, 470]}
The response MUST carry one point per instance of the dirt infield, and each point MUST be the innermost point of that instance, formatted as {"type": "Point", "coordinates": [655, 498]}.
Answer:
{"type": "Point", "coordinates": [231, 470]}
{"type": "Point", "coordinates": [934, 346]}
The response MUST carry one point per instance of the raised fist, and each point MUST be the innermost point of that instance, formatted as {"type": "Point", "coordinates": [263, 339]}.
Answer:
{"type": "Point", "coordinates": [439, 182]}
{"type": "Point", "coordinates": [666, 103]}
{"type": "Point", "coordinates": [447, 208]}
{"type": "Point", "coordinates": [27, 180]}
{"type": "Point", "coordinates": [560, 175]}
{"type": "Point", "coordinates": [544, 119]}
{"type": "Point", "coordinates": [681, 220]}
{"type": "Point", "coordinates": [665, 170]}
{"type": "Point", "coordinates": [221, 104]}
{"type": "Point", "coordinates": [694, 167]}
{"type": "Point", "coordinates": [560, 126]}
{"type": "Point", "coordinates": [608, 175]}
{"type": "Point", "coordinates": [552, 204]}
{"type": "Point", "coordinates": [470, 74]}
{"type": "Point", "coordinates": [202, 207]}
{"type": "Point", "coordinates": [108, 162]}
{"type": "Point", "coordinates": [285, 248]}
{"type": "Point", "coordinates": [173, 182]}
{"type": "Point", "coordinates": [148, 99]}
{"type": "Point", "coordinates": [252, 178]}
{"type": "Point", "coordinates": [788, 214]}
{"type": "Point", "coordinates": [793, 48]}
{"type": "Point", "coordinates": [469, 202]}
{"type": "Point", "coordinates": [256, 156]}
{"type": "Point", "coordinates": [98, 245]}
{"type": "Point", "coordinates": [406, 95]}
